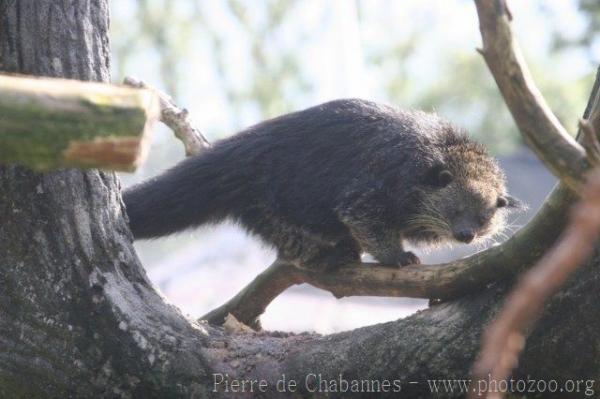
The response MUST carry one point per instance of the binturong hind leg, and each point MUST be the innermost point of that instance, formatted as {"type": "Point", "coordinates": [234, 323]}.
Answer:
{"type": "Point", "coordinates": [310, 252]}
{"type": "Point", "coordinates": [329, 258]}
{"type": "Point", "coordinates": [301, 246]}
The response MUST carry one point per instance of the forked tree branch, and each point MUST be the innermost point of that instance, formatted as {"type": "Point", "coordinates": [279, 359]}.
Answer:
{"type": "Point", "coordinates": [542, 130]}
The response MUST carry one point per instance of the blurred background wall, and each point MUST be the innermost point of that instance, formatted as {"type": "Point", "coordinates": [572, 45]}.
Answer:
{"type": "Point", "coordinates": [233, 63]}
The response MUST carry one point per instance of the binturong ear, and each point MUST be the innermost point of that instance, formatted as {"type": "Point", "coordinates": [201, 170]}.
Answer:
{"type": "Point", "coordinates": [439, 176]}
{"type": "Point", "coordinates": [507, 201]}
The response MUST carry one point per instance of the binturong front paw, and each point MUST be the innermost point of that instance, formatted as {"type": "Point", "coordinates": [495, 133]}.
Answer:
{"type": "Point", "coordinates": [408, 258]}
{"type": "Point", "coordinates": [403, 259]}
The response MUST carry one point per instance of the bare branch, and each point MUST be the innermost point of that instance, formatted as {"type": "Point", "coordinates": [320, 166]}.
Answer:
{"type": "Point", "coordinates": [177, 119]}
{"type": "Point", "coordinates": [251, 302]}
{"type": "Point", "coordinates": [540, 127]}
{"type": "Point", "coordinates": [505, 338]}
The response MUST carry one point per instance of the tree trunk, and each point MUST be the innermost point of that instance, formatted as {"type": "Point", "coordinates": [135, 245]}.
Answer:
{"type": "Point", "coordinates": [79, 318]}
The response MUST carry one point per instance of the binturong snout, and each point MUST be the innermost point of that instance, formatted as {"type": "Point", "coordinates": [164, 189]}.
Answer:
{"type": "Point", "coordinates": [465, 235]}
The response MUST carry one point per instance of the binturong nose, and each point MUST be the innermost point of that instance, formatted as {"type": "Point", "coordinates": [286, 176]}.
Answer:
{"type": "Point", "coordinates": [465, 236]}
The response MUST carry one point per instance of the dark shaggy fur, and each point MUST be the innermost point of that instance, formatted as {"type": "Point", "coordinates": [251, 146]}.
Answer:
{"type": "Point", "coordinates": [326, 183]}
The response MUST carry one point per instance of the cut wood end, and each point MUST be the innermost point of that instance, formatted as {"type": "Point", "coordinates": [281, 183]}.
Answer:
{"type": "Point", "coordinates": [124, 154]}
{"type": "Point", "coordinates": [115, 153]}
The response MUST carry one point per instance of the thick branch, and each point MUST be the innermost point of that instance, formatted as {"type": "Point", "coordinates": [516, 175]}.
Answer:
{"type": "Point", "coordinates": [50, 123]}
{"type": "Point", "coordinates": [540, 127]}
{"type": "Point", "coordinates": [437, 343]}
{"type": "Point", "coordinates": [252, 301]}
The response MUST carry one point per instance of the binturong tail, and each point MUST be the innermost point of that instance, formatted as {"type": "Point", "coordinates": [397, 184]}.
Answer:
{"type": "Point", "coordinates": [198, 190]}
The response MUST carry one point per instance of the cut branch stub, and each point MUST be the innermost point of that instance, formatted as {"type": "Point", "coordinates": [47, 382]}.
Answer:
{"type": "Point", "coordinates": [542, 130]}
{"type": "Point", "coordinates": [51, 123]}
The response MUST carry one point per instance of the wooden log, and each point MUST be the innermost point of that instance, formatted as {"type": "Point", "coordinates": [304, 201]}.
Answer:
{"type": "Point", "coordinates": [51, 123]}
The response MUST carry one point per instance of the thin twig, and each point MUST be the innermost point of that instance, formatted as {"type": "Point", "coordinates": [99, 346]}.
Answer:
{"type": "Point", "coordinates": [505, 338]}
{"type": "Point", "coordinates": [177, 119]}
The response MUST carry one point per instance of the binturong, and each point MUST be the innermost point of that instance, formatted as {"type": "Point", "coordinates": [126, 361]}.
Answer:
{"type": "Point", "coordinates": [325, 184]}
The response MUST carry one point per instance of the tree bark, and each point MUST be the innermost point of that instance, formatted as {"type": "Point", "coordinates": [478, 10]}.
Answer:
{"type": "Point", "coordinates": [79, 318]}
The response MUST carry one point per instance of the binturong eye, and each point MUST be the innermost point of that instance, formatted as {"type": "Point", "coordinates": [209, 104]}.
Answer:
{"type": "Point", "coordinates": [501, 202]}
{"type": "Point", "coordinates": [444, 178]}
{"type": "Point", "coordinates": [439, 176]}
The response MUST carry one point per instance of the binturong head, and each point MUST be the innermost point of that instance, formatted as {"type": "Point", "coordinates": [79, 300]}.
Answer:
{"type": "Point", "coordinates": [462, 197]}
